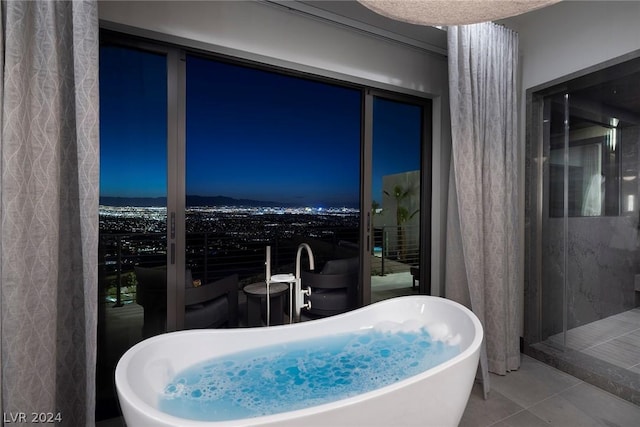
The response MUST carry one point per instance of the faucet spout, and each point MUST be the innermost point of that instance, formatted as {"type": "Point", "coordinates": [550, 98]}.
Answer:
{"type": "Point", "coordinates": [299, 293]}
{"type": "Point", "coordinates": [306, 247]}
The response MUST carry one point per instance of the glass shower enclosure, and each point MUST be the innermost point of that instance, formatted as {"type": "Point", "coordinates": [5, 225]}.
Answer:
{"type": "Point", "coordinates": [582, 287]}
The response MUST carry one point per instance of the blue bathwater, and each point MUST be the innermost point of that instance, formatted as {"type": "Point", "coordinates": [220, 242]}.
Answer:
{"type": "Point", "coordinates": [300, 374]}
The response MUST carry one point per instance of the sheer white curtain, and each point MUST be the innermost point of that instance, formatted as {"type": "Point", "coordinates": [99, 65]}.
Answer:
{"type": "Point", "coordinates": [482, 230]}
{"type": "Point", "coordinates": [49, 208]}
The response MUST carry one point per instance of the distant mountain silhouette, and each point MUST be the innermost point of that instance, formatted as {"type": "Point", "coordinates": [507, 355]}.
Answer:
{"type": "Point", "coordinates": [191, 201]}
{"type": "Point", "coordinates": [133, 201]}
{"type": "Point", "coordinates": [229, 201]}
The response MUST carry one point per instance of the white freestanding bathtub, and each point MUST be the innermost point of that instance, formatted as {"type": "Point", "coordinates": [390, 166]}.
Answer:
{"type": "Point", "coordinates": [436, 397]}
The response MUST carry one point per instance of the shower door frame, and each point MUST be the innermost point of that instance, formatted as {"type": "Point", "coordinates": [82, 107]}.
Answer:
{"type": "Point", "coordinates": [535, 204]}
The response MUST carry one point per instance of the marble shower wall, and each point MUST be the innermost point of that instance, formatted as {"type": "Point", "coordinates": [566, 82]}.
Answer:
{"type": "Point", "coordinates": [603, 256]}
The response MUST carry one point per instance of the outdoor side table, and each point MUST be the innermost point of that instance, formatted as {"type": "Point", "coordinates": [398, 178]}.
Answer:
{"type": "Point", "coordinates": [257, 302]}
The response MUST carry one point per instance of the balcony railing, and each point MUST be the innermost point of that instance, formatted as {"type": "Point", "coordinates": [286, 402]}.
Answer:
{"type": "Point", "coordinates": [210, 256]}
{"type": "Point", "coordinates": [396, 248]}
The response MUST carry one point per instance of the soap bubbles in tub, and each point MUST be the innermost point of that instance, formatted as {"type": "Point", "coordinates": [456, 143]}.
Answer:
{"type": "Point", "coordinates": [438, 331]}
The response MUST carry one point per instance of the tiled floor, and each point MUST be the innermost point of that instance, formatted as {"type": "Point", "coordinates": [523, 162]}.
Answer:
{"type": "Point", "coordinates": [390, 286]}
{"type": "Point", "coordinates": [539, 395]}
{"type": "Point", "coordinates": [615, 340]}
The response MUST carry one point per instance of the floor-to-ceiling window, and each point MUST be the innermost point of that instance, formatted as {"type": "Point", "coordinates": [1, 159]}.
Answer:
{"type": "Point", "coordinates": [273, 160]}
{"type": "Point", "coordinates": [396, 196]}
{"type": "Point", "coordinates": [133, 212]}
{"type": "Point", "coordinates": [209, 160]}
{"type": "Point", "coordinates": [583, 259]}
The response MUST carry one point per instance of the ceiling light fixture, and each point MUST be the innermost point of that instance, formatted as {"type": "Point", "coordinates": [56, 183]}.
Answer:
{"type": "Point", "coordinates": [452, 12]}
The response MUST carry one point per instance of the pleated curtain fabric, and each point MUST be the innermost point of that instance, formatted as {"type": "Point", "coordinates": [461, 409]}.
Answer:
{"type": "Point", "coordinates": [482, 259]}
{"type": "Point", "coordinates": [49, 191]}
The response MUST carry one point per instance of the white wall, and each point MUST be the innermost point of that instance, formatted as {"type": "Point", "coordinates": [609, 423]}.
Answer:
{"type": "Point", "coordinates": [276, 33]}
{"type": "Point", "coordinates": [573, 35]}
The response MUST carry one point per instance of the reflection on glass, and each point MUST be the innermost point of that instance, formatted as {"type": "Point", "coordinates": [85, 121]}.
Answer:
{"type": "Point", "coordinates": [133, 215]}
{"type": "Point", "coordinates": [593, 168]}
{"type": "Point", "coordinates": [396, 197]}
{"type": "Point", "coordinates": [585, 259]}
{"type": "Point", "coordinates": [271, 160]}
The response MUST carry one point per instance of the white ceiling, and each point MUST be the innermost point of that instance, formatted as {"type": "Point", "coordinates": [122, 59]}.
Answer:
{"type": "Point", "coordinates": [351, 10]}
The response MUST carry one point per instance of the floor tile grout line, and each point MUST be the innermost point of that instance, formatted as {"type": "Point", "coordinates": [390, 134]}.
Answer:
{"type": "Point", "coordinates": [610, 339]}
{"type": "Point", "coordinates": [588, 347]}
{"type": "Point", "coordinates": [606, 359]}
{"type": "Point", "coordinates": [507, 417]}
{"type": "Point", "coordinates": [527, 408]}
{"type": "Point", "coordinates": [588, 327]}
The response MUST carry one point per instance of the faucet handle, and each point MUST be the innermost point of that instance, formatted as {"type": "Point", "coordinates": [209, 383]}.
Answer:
{"type": "Point", "coordinates": [283, 278]}
{"type": "Point", "coordinates": [307, 304]}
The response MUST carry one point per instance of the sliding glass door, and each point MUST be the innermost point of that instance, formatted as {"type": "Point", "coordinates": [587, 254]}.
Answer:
{"type": "Point", "coordinates": [133, 207]}
{"type": "Point", "coordinates": [272, 160]}
{"type": "Point", "coordinates": [400, 196]}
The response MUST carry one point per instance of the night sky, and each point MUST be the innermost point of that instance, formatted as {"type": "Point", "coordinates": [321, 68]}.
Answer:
{"type": "Point", "coordinates": [133, 123]}
{"type": "Point", "coordinates": [250, 134]}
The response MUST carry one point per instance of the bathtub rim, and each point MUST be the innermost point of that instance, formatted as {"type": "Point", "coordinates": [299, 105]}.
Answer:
{"type": "Point", "coordinates": [125, 390]}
